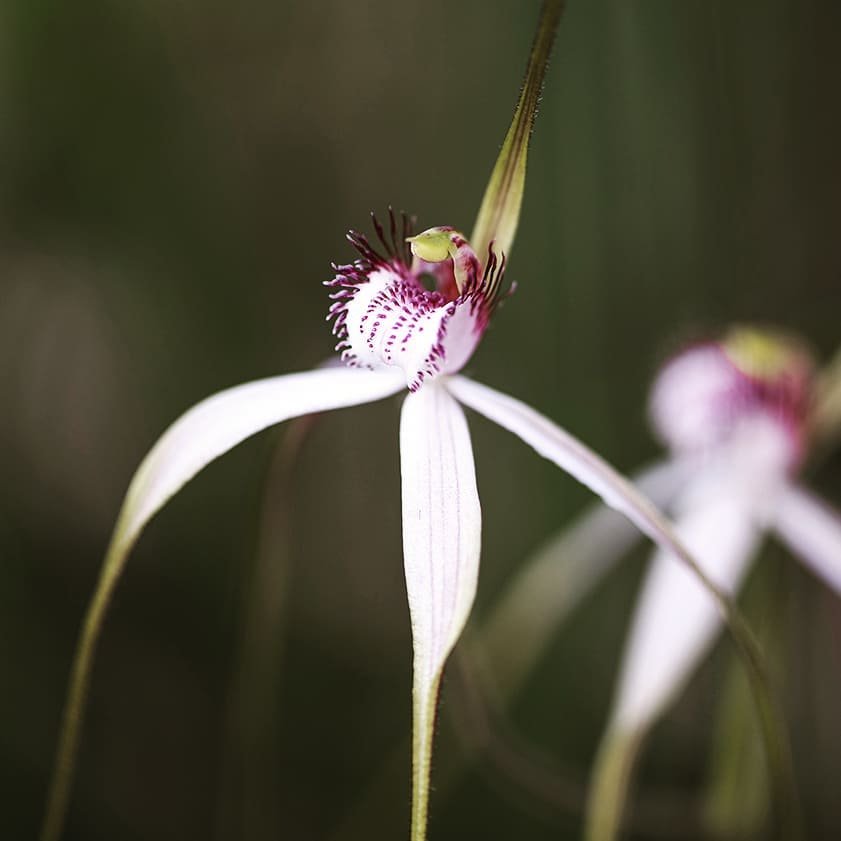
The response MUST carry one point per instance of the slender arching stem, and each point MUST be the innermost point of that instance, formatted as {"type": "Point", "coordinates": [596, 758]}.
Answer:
{"type": "Point", "coordinates": [71, 723]}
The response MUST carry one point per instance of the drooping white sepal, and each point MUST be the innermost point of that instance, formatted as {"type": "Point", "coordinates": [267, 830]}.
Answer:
{"type": "Point", "coordinates": [675, 620]}
{"type": "Point", "coordinates": [441, 543]}
{"type": "Point", "coordinates": [441, 524]}
{"type": "Point", "coordinates": [201, 435]}
{"type": "Point", "coordinates": [571, 455]}
{"type": "Point", "coordinates": [812, 530]}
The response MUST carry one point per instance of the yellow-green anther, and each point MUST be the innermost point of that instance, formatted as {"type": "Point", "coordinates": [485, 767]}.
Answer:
{"type": "Point", "coordinates": [434, 245]}
{"type": "Point", "coordinates": [500, 210]}
{"type": "Point", "coordinates": [760, 353]}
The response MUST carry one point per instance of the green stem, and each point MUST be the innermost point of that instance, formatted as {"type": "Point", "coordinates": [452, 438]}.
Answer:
{"type": "Point", "coordinates": [616, 756]}
{"type": "Point", "coordinates": [777, 748]}
{"type": "Point", "coordinates": [74, 705]}
{"type": "Point", "coordinates": [424, 700]}
{"type": "Point", "coordinates": [608, 794]}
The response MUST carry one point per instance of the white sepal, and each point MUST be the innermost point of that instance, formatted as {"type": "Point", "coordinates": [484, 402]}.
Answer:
{"type": "Point", "coordinates": [813, 531]}
{"type": "Point", "coordinates": [675, 620]}
{"type": "Point", "coordinates": [557, 445]}
{"type": "Point", "coordinates": [441, 524]}
{"type": "Point", "coordinates": [223, 420]}
{"type": "Point", "coordinates": [441, 543]}
{"type": "Point", "coordinates": [201, 435]}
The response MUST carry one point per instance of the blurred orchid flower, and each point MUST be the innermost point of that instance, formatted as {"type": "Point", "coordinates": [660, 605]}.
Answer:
{"type": "Point", "coordinates": [736, 415]}
{"type": "Point", "coordinates": [739, 410]}
{"type": "Point", "coordinates": [394, 334]}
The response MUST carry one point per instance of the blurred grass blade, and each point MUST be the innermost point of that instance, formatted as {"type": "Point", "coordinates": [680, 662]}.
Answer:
{"type": "Point", "coordinates": [500, 210]}
{"type": "Point", "coordinates": [247, 803]}
{"type": "Point", "coordinates": [827, 417]}
{"type": "Point", "coordinates": [737, 803]}
{"type": "Point", "coordinates": [737, 800]}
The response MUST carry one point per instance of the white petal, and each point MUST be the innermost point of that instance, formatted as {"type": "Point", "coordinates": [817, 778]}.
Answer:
{"type": "Point", "coordinates": [222, 421]}
{"type": "Point", "coordinates": [553, 581]}
{"type": "Point", "coordinates": [441, 525]}
{"type": "Point", "coordinates": [557, 445]}
{"type": "Point", "coordinates": [813, 531]}
{"type": "Point", "coordinates": [675, 620]}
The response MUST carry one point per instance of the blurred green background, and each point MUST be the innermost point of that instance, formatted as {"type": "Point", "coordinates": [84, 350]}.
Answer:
{"type": "Point", "coordinates": [175, 178]}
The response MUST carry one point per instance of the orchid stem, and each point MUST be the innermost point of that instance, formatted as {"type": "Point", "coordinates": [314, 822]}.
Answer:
{"type": "Point", "coordinates": [611, 775]}
{"type": "Point", "coordinates": [77, 693]}
{"type": "Point", "coordinates": [619, 749]}
{"type": "Point", "coordinates": [771, 721]}
{"type": "Point", "coordinates": [424, 700]}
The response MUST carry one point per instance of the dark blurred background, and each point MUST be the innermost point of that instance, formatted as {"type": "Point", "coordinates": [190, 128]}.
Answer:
{"type": "Point", "coordinates": [175, 178]}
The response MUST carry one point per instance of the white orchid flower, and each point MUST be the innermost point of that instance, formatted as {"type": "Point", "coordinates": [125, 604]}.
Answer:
{"type": "Point", "coordinates": [740, 410]}
{"type": "Point", "coordinates": [395, 335]}
{"type": "Point", "coordinates": [736, 416]}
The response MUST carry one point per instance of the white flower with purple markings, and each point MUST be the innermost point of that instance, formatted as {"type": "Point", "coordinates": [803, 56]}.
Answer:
{"type": "Point", "coordinates": [737, 413]}
{"type": "Point", "coordinates": [406, 320]}
{"type": "Point", "coordinates": [739, 416]}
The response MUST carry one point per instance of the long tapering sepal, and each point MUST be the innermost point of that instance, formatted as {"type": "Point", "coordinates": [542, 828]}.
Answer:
{"type": "Point", "coordinates": [201, 435]}
{"type": "Point", "coordinates": [583, 464]}
{"type": "Point", "coordinates": [500, 209]}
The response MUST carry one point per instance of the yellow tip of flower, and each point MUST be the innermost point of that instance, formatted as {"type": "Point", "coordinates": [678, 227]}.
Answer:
{"type": "Point", "coordinates": [762, 353]}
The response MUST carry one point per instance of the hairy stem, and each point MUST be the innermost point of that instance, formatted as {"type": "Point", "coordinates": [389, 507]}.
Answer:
{"type": "Point", "coordinates": [424, 700]}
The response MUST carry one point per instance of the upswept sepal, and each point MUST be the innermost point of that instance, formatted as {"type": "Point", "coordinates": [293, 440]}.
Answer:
{"type": "Point", "coordinates": [499, 214]}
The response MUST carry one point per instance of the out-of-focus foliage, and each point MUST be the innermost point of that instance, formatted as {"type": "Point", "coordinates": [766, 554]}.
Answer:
{"type": "Point", "coordinates": [174, 180]}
